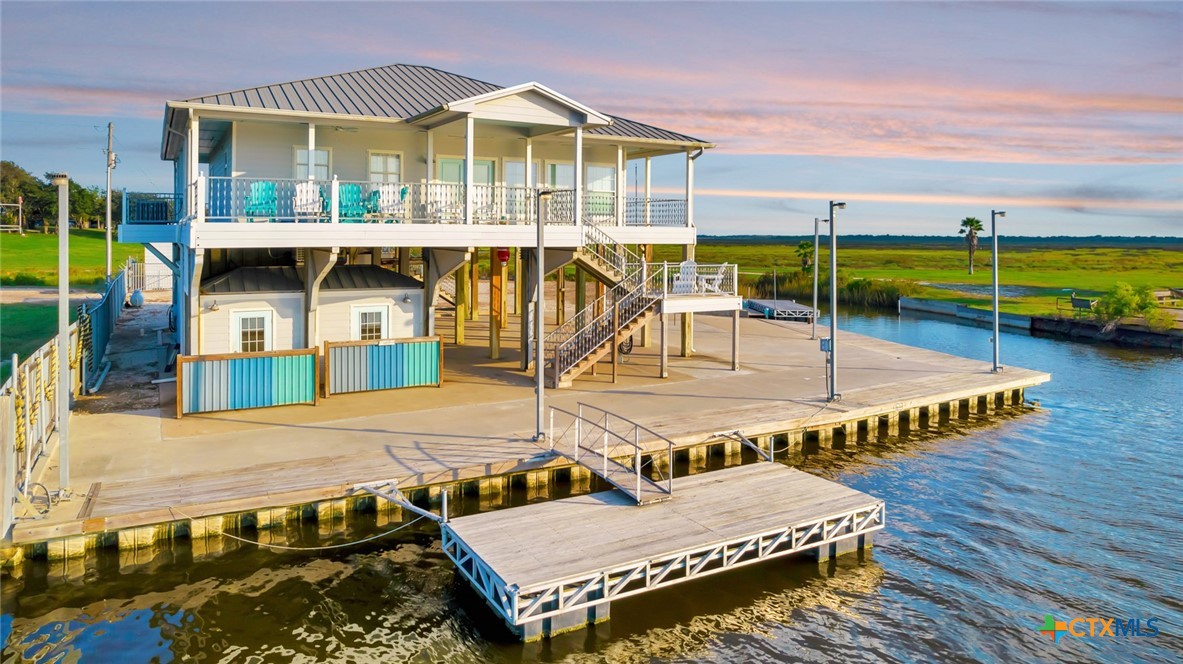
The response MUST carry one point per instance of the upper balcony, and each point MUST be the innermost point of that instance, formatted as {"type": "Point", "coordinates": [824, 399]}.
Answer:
{"type": "Point", "coordinates": [312, 212]}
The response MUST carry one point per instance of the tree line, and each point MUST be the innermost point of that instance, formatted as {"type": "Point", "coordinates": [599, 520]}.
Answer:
{"type": "Point", "coordinates": [88, 205]}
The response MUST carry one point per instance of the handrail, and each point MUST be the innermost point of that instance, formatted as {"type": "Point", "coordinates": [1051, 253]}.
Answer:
{"type": "Point", "coordinates": [601, 430]}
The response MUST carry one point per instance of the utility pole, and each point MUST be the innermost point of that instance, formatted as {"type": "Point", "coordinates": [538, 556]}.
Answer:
{"type": "Point", "coordinates": [110, 167]}
{"type": "Point", "coordinates": [64, 388]}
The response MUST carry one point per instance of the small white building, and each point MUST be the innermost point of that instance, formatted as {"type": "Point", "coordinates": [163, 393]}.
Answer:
{"type": "Point", "coordinates": [262, 308]}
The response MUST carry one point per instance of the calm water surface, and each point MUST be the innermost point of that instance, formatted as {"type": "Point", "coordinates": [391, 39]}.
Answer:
{"type": "Point", "coordinates": [1072, 510]}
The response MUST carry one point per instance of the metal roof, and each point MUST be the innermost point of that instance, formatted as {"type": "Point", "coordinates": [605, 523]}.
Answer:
{"type": "Point", "coordinates": [396, 92]}
{"type": "Point", "coordinates": [358, 277]}
{"type": "Point", "coordinates": [255, 280]}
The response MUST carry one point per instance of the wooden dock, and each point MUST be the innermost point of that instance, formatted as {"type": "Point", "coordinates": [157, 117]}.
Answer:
{"type": "Point", "coordinates": [556, 566]}
{"type": "Point", "coordinates": [780, 309]}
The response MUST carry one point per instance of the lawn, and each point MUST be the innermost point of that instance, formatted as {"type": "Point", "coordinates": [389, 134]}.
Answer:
{"type": "Point", "coordinates": [1044, 274]}
{"type": "Point", "coordinates": [32, 259]}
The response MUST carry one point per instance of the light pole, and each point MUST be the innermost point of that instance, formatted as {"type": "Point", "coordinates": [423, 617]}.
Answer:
{"type": "Point", "coordinates": [539, 312]}
{"type": "Point", "coordinates": [63, 392]}
{"type": "Point", "coordinates": [994, 265]}
{"type": "Point", "coordinates": [110, 167]}
{"type": "Point", "coordinates": [834, 395]}
{"type": "Point", "coordinates": [816, 237]}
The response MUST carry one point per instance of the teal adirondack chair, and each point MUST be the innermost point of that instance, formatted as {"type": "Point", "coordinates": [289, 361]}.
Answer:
{"type": "Point", "coordinates": [353, 208]}
{"type": "Point", "coordinates": [262, 201]}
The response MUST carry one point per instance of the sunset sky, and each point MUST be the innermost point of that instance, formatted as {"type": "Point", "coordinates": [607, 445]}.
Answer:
{"type": "Point", "coordinates": [1069, 116]}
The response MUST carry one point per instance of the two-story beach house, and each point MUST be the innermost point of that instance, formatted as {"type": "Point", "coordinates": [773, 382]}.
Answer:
{"type": "Point", "coordinates": [336, 208]}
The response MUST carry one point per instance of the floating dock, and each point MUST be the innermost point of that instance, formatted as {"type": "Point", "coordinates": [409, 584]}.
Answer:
{"type": "Point", "coordinates": [780, 309]}
{"type": "Point", "coordinates": [553, 567]}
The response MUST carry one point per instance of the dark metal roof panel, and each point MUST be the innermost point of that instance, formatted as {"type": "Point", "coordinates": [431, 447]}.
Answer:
{"type": "Point", "coordinates": [397, 92]}
{"type": "Point", "coordinates": [362, 277]}
{"type": "Point", "coordinates": [255, 280]}
{"type": "Point", "coordinates": [626, 128]}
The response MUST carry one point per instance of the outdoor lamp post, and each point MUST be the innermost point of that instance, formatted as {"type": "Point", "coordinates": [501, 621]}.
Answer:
{"type": "Point", "coordinates": [994, 214]}
{"type": "Point", "coordinates": [539, 312]}
{"type": "Point", "coordinates": [62, 181]}
{"type": "Point", "coordinates": [834, 395]}
{"type": "Point", "coordinates": [816, 223]}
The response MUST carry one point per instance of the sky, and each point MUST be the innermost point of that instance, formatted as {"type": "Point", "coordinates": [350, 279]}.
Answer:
{"type": "Point", "coordinates": [1069, 116]}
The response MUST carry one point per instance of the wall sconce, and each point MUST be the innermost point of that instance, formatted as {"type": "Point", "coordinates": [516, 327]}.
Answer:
{"type": "Point", "coordinates": [213, 306]}
{"type": "Point", "coordinates": [407, 298]}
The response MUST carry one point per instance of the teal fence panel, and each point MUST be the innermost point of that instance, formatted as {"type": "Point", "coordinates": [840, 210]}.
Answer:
{"type": "Point", "coordinates": [384, 365]}
{"type": "Point", "coordinates": [255, 380]}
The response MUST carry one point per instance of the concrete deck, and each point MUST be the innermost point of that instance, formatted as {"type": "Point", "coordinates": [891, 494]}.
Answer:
{"type": "Point", "coordinates": [145, 467]}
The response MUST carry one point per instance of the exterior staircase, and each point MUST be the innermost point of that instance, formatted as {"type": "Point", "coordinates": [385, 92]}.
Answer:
{"type": "Point", "coordinates": [591, 334]}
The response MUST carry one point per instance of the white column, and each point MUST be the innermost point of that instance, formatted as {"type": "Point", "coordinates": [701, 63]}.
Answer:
{"type": "Point", "coordinates": [579, 176]}
{"type": "Point", "coordinates": [531, 199]}
{"type": "Point", "coordinates": [648, 189]}
{"type": "Point", "coordinates": [311, 150]}
{"type": "Point", "coordinates": [620, 185]}
{"type": "Point", "coordinates": [193, 148]}
{"type": "Point", "coordinates": [469, 134]}
{"type": "Point", "coordinates": [430, 156]}
{"type": "Point", "coordinates": [689, 190]}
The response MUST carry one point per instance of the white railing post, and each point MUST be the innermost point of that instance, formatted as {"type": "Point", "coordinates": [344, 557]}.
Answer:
{"type": "Point", "coordinates": [578, 433]}
{"type": "Point", "coordinates": [199, 200]}
{"type": "Point", "coordinates": [551, 435]}
{"type": "Point", "coordinates": [605, 452]}
{"type": "Point", "coordinates": [8, 490]}
{"type": "Point", "coordinates": [334, 201]}
{"type": "Point", "coordinates": [637, 467]}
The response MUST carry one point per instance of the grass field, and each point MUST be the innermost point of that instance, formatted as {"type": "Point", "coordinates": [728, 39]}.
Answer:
{"type": "Point", "coordinates": [32, 259]}
{"type": "Point", "coordinates": [1041, 275]}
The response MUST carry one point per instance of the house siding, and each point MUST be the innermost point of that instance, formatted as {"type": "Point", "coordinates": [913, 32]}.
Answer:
{"type": "Point", "coordinates": [287, 319]}
{"type": "Point", "coordinates": [334, 315]}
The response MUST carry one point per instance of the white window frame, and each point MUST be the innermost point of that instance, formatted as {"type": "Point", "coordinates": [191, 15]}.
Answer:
{"type": "Point", "coordinates": [296, 161]}
{"type": "Point", "coordinates": [236, 318]}
{"type": "Point", "coordinates": [556, 162]}
{"type": "Point", "coordinates": [358, 309]}
{"type": "Point", "coordinates": [587, 179]}
{"type": "Point", "coordinates": [538, 171]}
{"type": "Point", "coordinates": [402, 163]}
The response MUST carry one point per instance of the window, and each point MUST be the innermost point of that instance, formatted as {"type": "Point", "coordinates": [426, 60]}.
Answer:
{"type": "Point", "coordinates": [560, 176]}
{"type": "Point", "coordinates": [601, 178]}
{"type": "Point", "coordinates": [322, 165]}
{"type": "Point", "coordinates": [369, 323]}
{"type": "Point", "coordinates": [252, 331]}
{"type": "Point", "coordinates": [386, 167]}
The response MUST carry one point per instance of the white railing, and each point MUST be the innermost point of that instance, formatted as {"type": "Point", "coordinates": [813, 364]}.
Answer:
{"type": "Point", "coordinates": [238, 199]}
{"type": "Point", "coordinates": [610, 446]}
{"type": "Point", "coordinates": [607, 250]}
{"type": "Point", "coordinates": [639, 211]}
{"type": "Point", "coordinates": [28, 398]}
{"type": "Point", "coordinates": [691, 278]}
{"type": "Point", "coordinates": [142, 276]}
{"type": "Point", "coordinates": [599, 208]}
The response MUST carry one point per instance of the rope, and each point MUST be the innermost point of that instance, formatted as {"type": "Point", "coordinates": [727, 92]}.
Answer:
{"type": "Point", "coordinates": [85, 338]}
{"type": "Point", "coordinates": [280, 547]}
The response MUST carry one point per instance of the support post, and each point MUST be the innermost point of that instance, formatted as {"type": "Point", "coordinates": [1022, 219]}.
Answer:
{"type": "Point", "coordinates": [688, 319]}
{"type": "Point", "coordinates": [620, 185]}
{"type": "Point", "coordinates": [648, 194]}
{"type": "Point", "coordinates": [110, 167]}
{"type": "Point", "coordinates": [578, 176]}
{"type": "Point", "coordinates": [496, 304]}
{"type": "Point", "coordinates": [474, 283]}
{"type": "Point", "coordinates": [461, 303]}
{"type": "Point", "coordinates": [580, 288]}
{"type": "Point", "coordinates": [616, 346]}
{"type": "Point", "coordinates": [665, 349]}
{"type": "Point", "coordinates": [735, 340]}
{"type": "Point", "coordinates": [65, 386]}
{"type": "Point", "coordinates": [560, 296]}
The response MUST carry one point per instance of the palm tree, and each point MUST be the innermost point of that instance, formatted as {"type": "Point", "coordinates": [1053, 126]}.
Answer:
{"type": "Point", "coordinates": [805, 253]}
{"type": "Point", "coordinates": [970, 227]}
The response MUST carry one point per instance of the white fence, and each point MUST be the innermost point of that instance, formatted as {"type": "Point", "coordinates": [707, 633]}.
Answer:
{"type": "Point", "coordinates": [28, 398]}
{"type": "Point", "coordinates": [144, 276]}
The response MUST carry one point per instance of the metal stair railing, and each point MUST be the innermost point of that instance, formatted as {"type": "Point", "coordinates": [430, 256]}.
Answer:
{"type": "Point", "coordinates": [607, 250]}
{"type": "Point", "coordinates": [586, 331]}
{"type": "Point", "coordinates": [600, 446]}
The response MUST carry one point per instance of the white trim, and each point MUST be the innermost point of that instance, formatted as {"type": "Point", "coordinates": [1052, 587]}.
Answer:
{"type": "Point", "coordinates": [355, 322]}
{"type": "Point", "coordinates": [402, 162]}
{"type": "Point", "coordinates": [468, 105]}
{"type": "Point", "coordinates": [236, 327]}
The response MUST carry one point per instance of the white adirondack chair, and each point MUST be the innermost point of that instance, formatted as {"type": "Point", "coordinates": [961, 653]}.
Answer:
{"type": "Point", "coordinates": [306, 203]}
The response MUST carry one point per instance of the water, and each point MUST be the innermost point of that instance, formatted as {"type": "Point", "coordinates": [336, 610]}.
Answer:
{"type": "Point", "coordinates": [1072, 511]}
